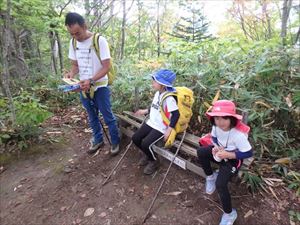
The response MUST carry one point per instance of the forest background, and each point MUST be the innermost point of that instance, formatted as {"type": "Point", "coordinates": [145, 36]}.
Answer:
{"type": "Point", "coordinates": [247, 51]}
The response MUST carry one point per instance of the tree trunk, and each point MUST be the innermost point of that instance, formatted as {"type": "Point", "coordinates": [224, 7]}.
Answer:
{"type": "Point", "coordinates": [287, 4]}
{"type": "Point", "coordinates": [139, 28]}
{"type": "Point", "coordinates": [6, 57]}
{"type": "Point", "coordinates": [123, 31]}
{"type": "Point", "coordinates": [60, 55]}
{"type": "Point", "coordinates": [240, 17]}
{"type": "Point", "coordinates": [112, 24]}
{"type": "Point", "coordinates": [136, 98]}
{"type": "Point", "coordinates": [266, 21]}
{"type": "Point", "coordinates": [53, 57]}
{"type": "Point", "coordinates": [87, 10]}
{"type": "Point", "coordinates": [39, 56]}
{"type": "Point", "coordinates": [158, 29]}
{"type": "Point", "coordinates": [297, 36]}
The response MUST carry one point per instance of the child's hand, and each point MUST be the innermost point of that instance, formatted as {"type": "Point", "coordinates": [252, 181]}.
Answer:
{"type": "Point", "coordinates": [216, 149]}
{"type": "Point", "coordinates": [167, 133]}
{"type": "Point", "coordinates": [141, 112]}
{"type": "Point", "coordinates": [222, 154]}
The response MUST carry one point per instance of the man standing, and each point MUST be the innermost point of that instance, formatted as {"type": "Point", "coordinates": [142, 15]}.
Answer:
{"type": "Point", "coordinates": [95, 93]}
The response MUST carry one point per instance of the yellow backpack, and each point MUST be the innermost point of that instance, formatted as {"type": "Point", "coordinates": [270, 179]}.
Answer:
{"type": "Point", "coordinates": [112, 72]}
{"type": "Point", "coordinates": [185, 99]}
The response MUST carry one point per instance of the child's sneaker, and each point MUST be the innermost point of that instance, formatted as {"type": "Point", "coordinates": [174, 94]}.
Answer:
{"type": "Point", "coordinates": [229, 218]}
{"type": "Point", "coordinates": [151, 167]}
{"type": "Point", "coordinates": [144, 160]}
{"type": "Point", "coordinates": [210, 184]}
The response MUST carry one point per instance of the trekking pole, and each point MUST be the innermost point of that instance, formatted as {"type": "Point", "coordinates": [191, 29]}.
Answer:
{"type": "Point", "coordinates": [104, 130]}
{"type": "Point", "coordinates": [152, 203]}
{"type": "Point", "coordinates": [116, 166]}
{"type": "Point", "coordinates": [97, 112]}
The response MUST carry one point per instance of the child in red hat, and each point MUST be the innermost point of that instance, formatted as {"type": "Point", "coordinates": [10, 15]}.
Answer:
{"type": "Point", "coordinates": [229, 146]}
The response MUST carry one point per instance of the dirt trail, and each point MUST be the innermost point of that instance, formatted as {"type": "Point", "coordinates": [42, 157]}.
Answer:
{"type": "Point", "coordinates": [59, 184]}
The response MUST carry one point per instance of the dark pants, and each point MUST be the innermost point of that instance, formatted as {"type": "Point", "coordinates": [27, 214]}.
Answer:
{"type": "Point", "coordinates": [226, 172]}
{"type": "Point", "coordinates": [144, 137]}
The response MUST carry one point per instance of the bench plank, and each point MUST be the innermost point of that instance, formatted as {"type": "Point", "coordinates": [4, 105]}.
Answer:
{"type": "Point", "coordinates": [189, 145]}
{"type": "Point", "coordinates": [132, 116]}
{"type": "Point", "coordinates": [169, 155]}
{"type": "Point", "coordinates": [181, 162]}
{"type": "Point", "coordinates": [128, 120]}
{"type": "Point", "coordinates": [189, 138]}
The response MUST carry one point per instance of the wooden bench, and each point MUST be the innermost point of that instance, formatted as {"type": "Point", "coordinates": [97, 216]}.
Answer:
{"type": "Point", "coordinates": [187, 154]}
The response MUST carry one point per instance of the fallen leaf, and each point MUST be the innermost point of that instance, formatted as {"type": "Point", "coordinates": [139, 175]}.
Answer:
{"type": "Point", "coordinates": [103, 214]}
{"type": "Point", "coordinates": [17, 203]}
{"type": "Point", "coordinates": [288, 100]}
{"type": "Point", "coordinates": [88, 212]}
{"type": "Point", "coordinates": [249, 213]}
{"type": "Point", "coordinates": [199, 119]}
{"type": "Point", "coordinates": [67, 169]}
{"type": "Point", "coordinates": [273, 192]}
{"type": "Point", "coordinates": [1, 169]}
{"type": "Point", "coordinates": [88, 130]}
{"type": "Point", "coordinates": [200, 221]}
{"type": "Point", "coordinates": [54, 132]}
{"type": "Point", "coordinates": [285, 160]}
{"type": "Point", "coordinates": [263, 104]}
{"type": "Point", "coordinates": [174, 193]}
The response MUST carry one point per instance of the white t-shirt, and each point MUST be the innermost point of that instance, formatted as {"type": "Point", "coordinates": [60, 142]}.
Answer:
{"type": "Point", "coordinates": [155, 119]}
{"type": "Point", "coordinates": [232, 139]}
{"type": "Point", "coordinates": [87, 59]}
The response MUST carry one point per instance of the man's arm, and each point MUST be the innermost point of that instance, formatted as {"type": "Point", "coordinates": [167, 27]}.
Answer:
{"type": "Point", "coordinates": [104, 70]}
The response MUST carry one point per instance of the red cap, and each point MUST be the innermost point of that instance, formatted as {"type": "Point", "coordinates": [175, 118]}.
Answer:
{"type": "Point", "coordinates": [223, 108]}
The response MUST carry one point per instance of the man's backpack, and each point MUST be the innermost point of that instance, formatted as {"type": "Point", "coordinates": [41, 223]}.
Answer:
{"type": "Point", "coordinates": [112, 72]}
{"type": "Point", "coordinates": [185, 99]}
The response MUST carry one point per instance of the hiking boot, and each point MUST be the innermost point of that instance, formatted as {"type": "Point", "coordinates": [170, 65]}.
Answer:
{"type": "Point", "coordinates": [115, 149]}
{"type": "Point", "coordinates": [229, 218]}
{"type": "Point", "coordinates": [151, 167]}
{"type": "Point", "coordinates": [143, 160]}
{"type": "Point", "coordinates": [94, 147]}
{"type": "Point", "coordinates": [210, 184]}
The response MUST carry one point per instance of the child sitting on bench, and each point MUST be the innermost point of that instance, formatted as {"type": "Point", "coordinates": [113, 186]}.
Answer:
{"type": "Point", "coordinates": [155, 129]}
{"type": "Point", "coordinates": [229, 147]}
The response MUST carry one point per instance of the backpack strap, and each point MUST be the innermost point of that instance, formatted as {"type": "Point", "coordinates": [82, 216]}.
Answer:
{"type": "Point", "coordinates": [74, 44]}
{"type": "Point", "coordinates": [162, 111]}
{"type": "Point", "coordinates": [96, 46]}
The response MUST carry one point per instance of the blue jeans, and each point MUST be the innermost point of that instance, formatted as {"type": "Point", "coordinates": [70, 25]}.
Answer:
{"type": "Point", "coordinates": [101, 101]}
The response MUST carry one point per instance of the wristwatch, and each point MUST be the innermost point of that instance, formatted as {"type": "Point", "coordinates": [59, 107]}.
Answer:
{"type": "Point", "coordinates": [92, 82]}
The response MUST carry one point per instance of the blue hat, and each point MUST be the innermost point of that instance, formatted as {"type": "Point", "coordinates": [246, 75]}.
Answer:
{"type": "Point", "coordinates": [166, 78]}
